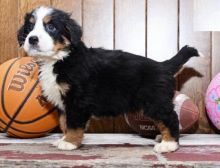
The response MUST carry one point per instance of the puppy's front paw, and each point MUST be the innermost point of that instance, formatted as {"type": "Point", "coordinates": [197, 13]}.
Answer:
{"type": "Point", "coordinates": [56, 143]}
{"type": "Point", "coordinates": [63, 145]}
{"type": "Point", "coordinates": [166, 146]}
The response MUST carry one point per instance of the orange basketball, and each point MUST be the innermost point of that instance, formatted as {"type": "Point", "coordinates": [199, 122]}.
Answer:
{"type": "Point", "coordinates": [24, 112]}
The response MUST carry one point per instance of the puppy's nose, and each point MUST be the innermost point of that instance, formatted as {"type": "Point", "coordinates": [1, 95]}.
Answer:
{"type": "Point", "coordinates": [33, 40]}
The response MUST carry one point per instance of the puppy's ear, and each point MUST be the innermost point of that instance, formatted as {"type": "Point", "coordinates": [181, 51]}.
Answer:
{"type": "Point", "coordinates": [74, 31]}
{"type": "Point", "coordinates": [21, 36]}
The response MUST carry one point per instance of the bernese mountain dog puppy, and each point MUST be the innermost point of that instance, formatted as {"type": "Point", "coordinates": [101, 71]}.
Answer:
{"type": "Point", "coordinates": [83, 82]}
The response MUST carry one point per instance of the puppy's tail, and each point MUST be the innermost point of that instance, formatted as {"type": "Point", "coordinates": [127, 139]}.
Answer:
{"type": "Point", "coordinates": [175, 63]}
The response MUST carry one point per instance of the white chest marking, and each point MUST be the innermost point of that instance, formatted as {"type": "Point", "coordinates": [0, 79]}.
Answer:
{"type": "Point", "coordinates": [51, 90]}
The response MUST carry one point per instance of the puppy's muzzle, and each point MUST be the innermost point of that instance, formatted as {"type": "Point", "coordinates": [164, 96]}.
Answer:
{"type": "Point", "coordinates": [33, 40]}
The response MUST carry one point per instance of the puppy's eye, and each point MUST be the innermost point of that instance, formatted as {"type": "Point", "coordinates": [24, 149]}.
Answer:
{"type": "Point", "coordinates": [50, 28]}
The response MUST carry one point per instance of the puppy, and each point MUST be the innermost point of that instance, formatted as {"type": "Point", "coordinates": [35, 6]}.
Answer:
{"type": "Point", "coordinates": [84, 82]}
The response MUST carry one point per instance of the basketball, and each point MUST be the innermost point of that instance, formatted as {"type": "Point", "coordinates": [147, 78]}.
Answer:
{"type": "Point", "coordinates": [24, 112]}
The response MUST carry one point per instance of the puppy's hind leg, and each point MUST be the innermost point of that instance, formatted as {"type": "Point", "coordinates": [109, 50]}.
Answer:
{"type": "Point", "coordinates": [168, 124]}
{"type": "Point", "coordinates": [169, 142]}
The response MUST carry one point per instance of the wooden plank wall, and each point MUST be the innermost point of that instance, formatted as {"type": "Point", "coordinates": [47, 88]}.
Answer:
{"type": "Point", "coordinates": [156, 28]}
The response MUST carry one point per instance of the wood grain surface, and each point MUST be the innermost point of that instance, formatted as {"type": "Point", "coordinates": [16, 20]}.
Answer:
{"type": "Point", "coordinates": [130, 26]}
{"type": "Point", "coordinates": [162, 29]}
{"type": "Point", "coordinates": [215, 53]}
{"type": "Point", "coordinates": [8, 29]}
{"type": "Point", "coordinates": [70, 6]}
{"type": "Point", "coordinates": [194, 79]}
{"type": "Point", "coordinates": [98, 23]}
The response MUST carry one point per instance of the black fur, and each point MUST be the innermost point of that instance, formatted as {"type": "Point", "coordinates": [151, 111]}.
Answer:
{"type": "Point", "coordinates": [65, 27]}
{"type": "Point", "coordinates": [25, 29]}
{"type": "Point", "coordinates": [109, 83]}
{"type": "Point", "coordinates": [112, 82]}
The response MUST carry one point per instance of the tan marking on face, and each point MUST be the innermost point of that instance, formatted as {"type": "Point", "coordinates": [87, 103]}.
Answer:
{"type": "Point", "coordinates": [74, 136]}
{"type": "Point", "coordinates": [47, 19]}
{"type": "Point", "coordinates": [165, 132]}
{"type": "Point", "coordinates": [59, 46]}
{"type": "Point", "coordinates": [62, 120]}
{"type": "Point", "coordinates": [32, 19]}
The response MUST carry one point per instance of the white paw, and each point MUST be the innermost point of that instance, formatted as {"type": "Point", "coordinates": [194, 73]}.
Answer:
{"type": "Point", "coordinates": [166, 146]}
{"type": "Point", "coordinates": [158, 138]}
{"type": "Point", "coordinates": [56, 143]}
{"type": "Point", "coordinates": [63, 145]}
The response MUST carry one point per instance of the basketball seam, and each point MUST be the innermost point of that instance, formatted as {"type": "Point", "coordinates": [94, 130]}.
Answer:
{"type": "Point", "coordinates": [26, 132]}
{"type": "Point", "coordinates": [11, 133]}
{"type": "Point", "coordinates": [3, 86]}
{"type": "Point", "coordinates": [36, 119]}
{"type": "Point", "coordinates": [20, 107]}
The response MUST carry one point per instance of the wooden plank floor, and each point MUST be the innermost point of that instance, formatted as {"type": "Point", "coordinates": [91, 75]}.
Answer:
{"type": "Point", "coordinates": [110, 150]}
